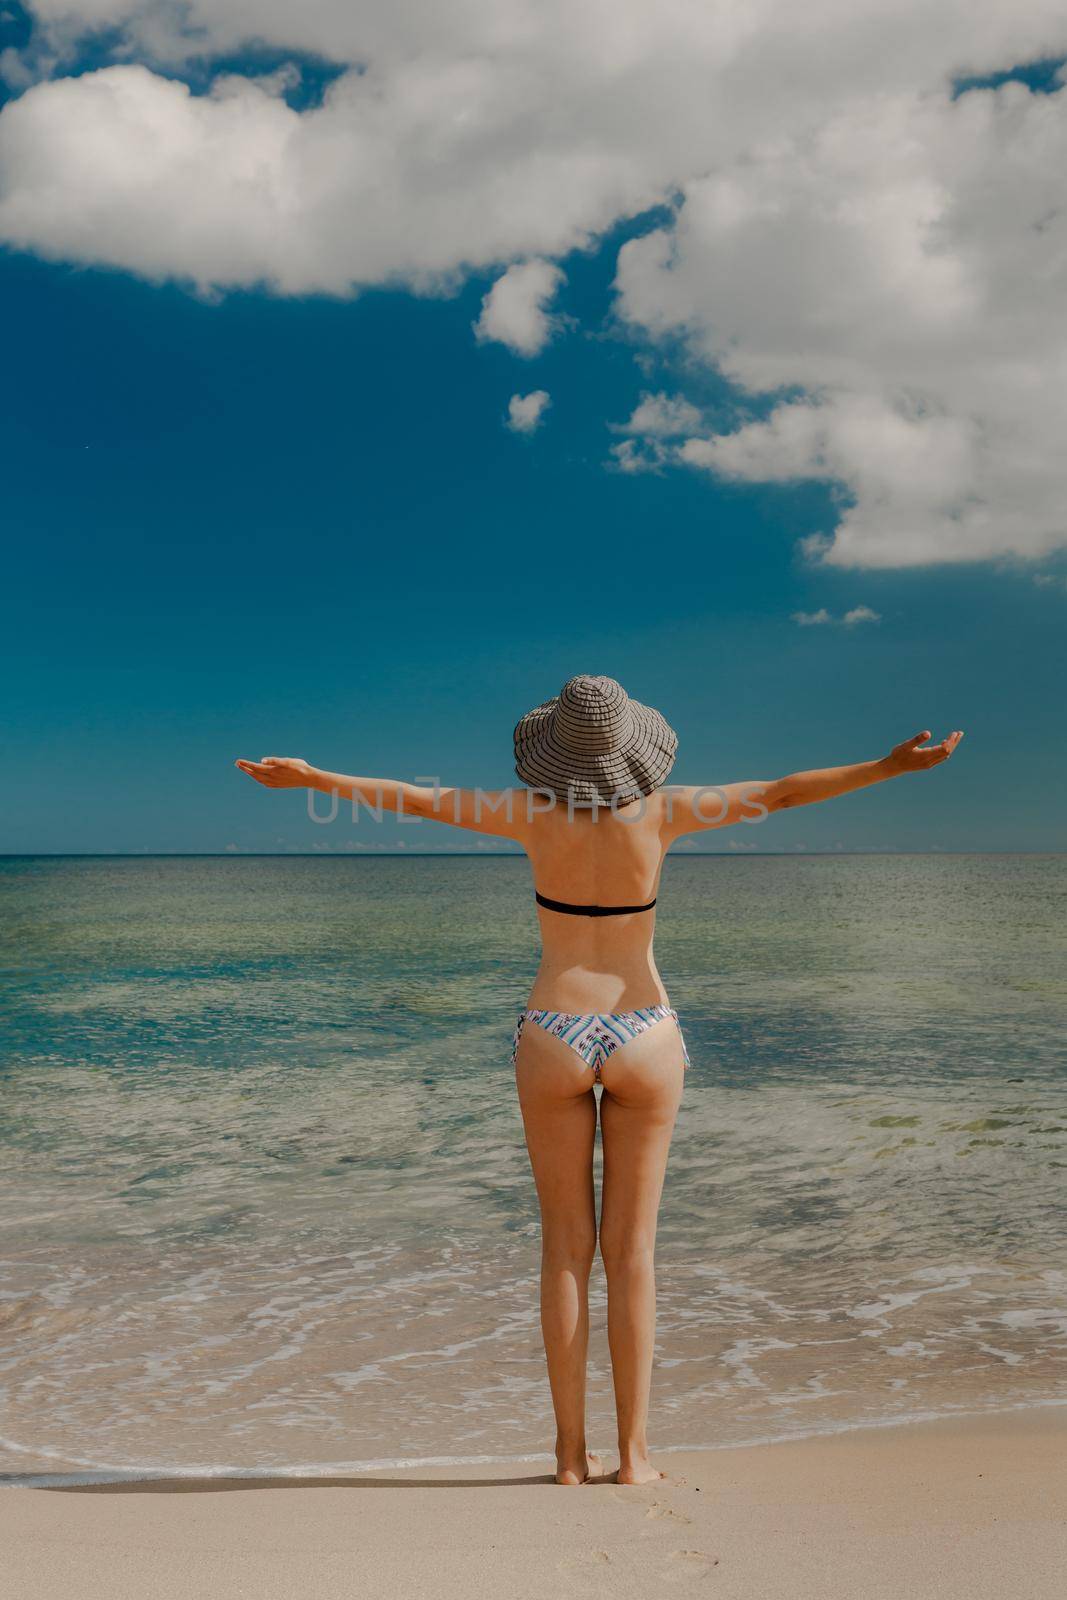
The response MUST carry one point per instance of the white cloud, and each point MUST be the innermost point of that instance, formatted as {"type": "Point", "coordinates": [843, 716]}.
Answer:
{"type": "Point", "coordinates": [639, 455]}
{"type": "Point", "coordinates": [655, 419]}
{"type": "Point", "coordinates": [662, 416]}
{"type": "Point", "coordinates": [526, 411]}
{"type": "Point", "coordinates": [514, 312]}
{"type": "Point", "coordinates": [406, 179]}
{"type": "Point", "coordinates": [843, 227]}
{"type": "Point", "coordinates": [900, 264]}
{"type": "Point", "coordinates": [458, 136]}
{"type": "Point", "coordinates": [823, 618]}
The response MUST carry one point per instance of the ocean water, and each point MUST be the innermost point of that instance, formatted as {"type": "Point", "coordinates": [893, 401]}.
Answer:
{"type": "Point", "coordinates": [265, 1203]}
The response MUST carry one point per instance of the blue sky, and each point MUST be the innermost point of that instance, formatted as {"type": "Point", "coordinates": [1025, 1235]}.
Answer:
{"type": "Point", "coordinates": [300, 527]}
{"type": "Point", "coordinates": [247, 523]}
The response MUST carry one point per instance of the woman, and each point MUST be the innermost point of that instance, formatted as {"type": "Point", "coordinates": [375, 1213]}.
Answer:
{"type": "Point", "coordinates": [596, 822]}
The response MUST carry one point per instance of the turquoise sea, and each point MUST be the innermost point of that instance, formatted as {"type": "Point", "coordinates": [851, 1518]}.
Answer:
{"type": "Point", "coordinates": [265, 1204]}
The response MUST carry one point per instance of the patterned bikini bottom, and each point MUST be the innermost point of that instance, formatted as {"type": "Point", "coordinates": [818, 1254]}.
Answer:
{"type": "Point", "coordinates": [595, 1036]}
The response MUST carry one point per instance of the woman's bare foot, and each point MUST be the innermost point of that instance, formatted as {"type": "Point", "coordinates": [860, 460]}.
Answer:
{"type": "Point", "coordinates": [567, 1472]}
{"type": "Point", "coordinates": [638, 1469]}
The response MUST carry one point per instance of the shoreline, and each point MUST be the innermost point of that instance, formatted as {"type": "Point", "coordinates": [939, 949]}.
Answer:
{"type": "Point", "coordinates": [954, 1508]}
{"type": "Point", "coordinates": [97, 1477]}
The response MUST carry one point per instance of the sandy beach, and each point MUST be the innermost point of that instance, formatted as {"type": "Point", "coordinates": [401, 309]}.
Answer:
{"type": "Point", "coordinates": [967, 1507]}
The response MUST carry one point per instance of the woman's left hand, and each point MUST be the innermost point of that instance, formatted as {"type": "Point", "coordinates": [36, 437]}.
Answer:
{"type": "Point", "coordinates": [278, 772]}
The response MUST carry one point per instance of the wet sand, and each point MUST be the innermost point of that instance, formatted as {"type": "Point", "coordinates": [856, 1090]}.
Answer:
{"type": "Point", "coordinates": [965, 1507]}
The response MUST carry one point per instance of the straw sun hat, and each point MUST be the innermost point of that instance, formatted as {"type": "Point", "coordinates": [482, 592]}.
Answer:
{"type": "Point", "coordinates": [592, 744]}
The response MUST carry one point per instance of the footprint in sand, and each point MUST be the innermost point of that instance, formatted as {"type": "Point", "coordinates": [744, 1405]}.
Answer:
{"type": "Point", "coordinates": [659, 1509]}
{"type": "Point", "coordinates": [593, 1567]}
{"type": "Point", "coordinates": [683, 1564]}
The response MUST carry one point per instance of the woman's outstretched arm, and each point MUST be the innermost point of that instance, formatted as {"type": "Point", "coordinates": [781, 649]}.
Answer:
{"type": "Point", "coordinates": [501, 812]}
{"type": "Point", "coordinates": [689, 810]}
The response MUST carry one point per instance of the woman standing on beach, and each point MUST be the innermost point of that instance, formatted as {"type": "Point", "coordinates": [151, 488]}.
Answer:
{"type": "Point", "coordinates": [596, 821]}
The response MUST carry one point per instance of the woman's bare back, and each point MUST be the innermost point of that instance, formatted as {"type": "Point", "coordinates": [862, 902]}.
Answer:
{"type": "Point", "coordinates": [597, 964]}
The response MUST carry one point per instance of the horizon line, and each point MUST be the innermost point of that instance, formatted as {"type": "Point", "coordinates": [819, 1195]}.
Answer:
{"type": "Point", "coordinates": [474, 855]}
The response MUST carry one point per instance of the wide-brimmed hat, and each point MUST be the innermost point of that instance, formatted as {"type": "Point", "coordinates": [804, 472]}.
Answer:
{"type": "Point", "coordinates": [593, 745]}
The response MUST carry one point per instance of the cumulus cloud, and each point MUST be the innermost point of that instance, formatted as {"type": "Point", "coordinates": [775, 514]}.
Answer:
{"type": "Point", "coordinates": [514, 312]}
{"type": "Point", "coordinates": [823, 618]}
{"type": "Point", "coordinates": [906, 256]}
{"type": "Point", "coordinates": [639, 455]}
{"type": "Point", "coordinates": [454, 137]}
{"type": "Point", "coordinates": [656, 419]}
{"type": "Point", "coordinates": [386, 181]}
{"type": "Point", "coordinates": [662, 416]}
{"type": "Point", "coordinates": [880, 261]}
{"type": "Point", "coordinates": [526, 411]}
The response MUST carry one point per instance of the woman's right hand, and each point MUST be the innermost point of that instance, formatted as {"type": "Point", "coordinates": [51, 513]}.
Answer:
{"type": "Point", "coordinates": [278, 772]}
{"type": "Point", "coordinates": [914, 755]}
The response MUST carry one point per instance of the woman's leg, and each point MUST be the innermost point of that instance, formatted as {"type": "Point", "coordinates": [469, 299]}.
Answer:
{"type": "Point", "coordinates": [559, 1116]}
{"type": "Point", "coordinates": [642, 1091]}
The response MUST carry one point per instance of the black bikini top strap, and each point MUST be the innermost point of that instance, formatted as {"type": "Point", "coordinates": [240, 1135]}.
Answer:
{"type": "Point", "coordinates": [588, 911]}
